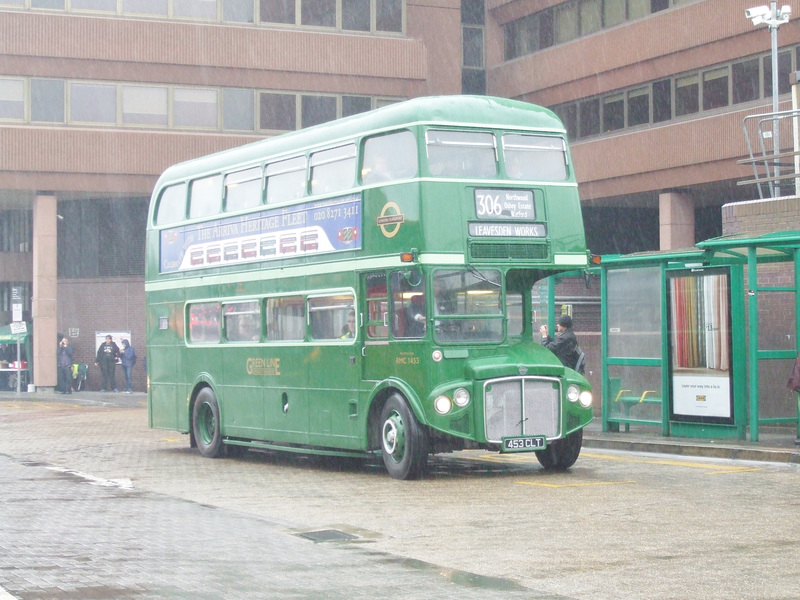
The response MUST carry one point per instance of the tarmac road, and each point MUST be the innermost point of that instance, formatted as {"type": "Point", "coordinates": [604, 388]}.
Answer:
{"type": "Point", "coordinates": [95, 505]}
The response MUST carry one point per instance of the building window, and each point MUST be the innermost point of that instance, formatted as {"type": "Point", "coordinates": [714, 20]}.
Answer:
{"type": "Point", "coordinates": [662, 100]}
{"type": "Point", "coordinates": [317, 109]}
{"type": "Point", "coordinates": [784, 71]}
{"type": "Point", "coordinates": [389, 15]}
{"type": "Point", "coordinates": [687, 95]}
{"type": "Point", "coordinates": [12, 99]}
{"type": "Point", "coordinates": [278, 111]}
{"type": "Point", "coordinates": [589, 117]}
{"type": "Point", "coordinates": [194, 108]}
{"type": "Point", "coordinates": [145, 105]}
{"type": "Point", "coordinates": [591, 16]}
{"type": "Point", "coordinates": [355, 15]}
{"type": "Point", "coordinates": [744, 76]}
{"type": "Point", "coordinates": [353, 105]}
{"type": "Point", "coordinates": [638, 107]}
{"type": "Point", "coordinates": [277, 11]}
{"type": "Point", "coordinates": [320, 13]}
{"type": "Point", "coordinates": [613, 112]}
{"type": "Point", "coordinates": [197, 9]}
{"type": "Point", "coordinates": [47, 100]}
{"type": "Point", "coordinates": [145, 7]}
{"type": "Point", "coordinates": [238, 108]}
{"type": "Point", "coordinates": [613, 12]}
{"type": "Point", "coordinates": [93, 103]}
{"type": "Point", "coordinates": [566, 22]}
{"type": "Point", "coordinates": [94, 5]}
{"type": "Point", "coordinates": [715, 88]}
{"type": "Point", "coordinates": [237, 11]}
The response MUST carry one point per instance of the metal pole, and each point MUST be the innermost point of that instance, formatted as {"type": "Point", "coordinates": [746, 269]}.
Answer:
{"type": "Point", "coordinates": [773, 29]}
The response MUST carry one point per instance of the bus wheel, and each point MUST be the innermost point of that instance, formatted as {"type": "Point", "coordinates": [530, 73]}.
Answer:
{"type": "Point", "coordinates": [206, 424]}
{"type": "Point", "coordinates": [403, 442]}
{"type": "Point", "coordinates": [561, 454]}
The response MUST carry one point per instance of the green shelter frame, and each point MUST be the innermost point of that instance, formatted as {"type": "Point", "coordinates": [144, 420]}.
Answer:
{"type": "Point", "coordinates": [636, 370]}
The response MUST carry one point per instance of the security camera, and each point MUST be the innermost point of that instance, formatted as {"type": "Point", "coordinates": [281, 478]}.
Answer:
{"type": "Point", "coordinates": [786, 11]}
{"type": "Point", "coordinates": [759, 12]}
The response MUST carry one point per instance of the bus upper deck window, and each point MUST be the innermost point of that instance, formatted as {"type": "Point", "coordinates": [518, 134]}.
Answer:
{"type": "Point", "coordinates": [286, 180]}
{"type": "Point", "coordinates": [535, 157]}
{"type": "Point", "coordinates": [172, 205]}
{"type": "Point", "coordinates": [389, 158]}
{"type": "Point", "coordinates": [333, 170]}
{"type": "Point", "coordinates": [461, 153]}
{"type": "Point", "coordinates": [243, 189]}
{"type": "Point", "coordinates": [205, 198]}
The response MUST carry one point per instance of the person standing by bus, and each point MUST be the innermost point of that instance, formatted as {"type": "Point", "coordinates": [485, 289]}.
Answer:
{"type": "Point", "coordinates": [128, 359]}
{"type": "Point", "coordinates": [64, 366]}
{"type": "Point", "coordinates": [106, 359]}
{"type": "Point", "coordinates": [565, 344]}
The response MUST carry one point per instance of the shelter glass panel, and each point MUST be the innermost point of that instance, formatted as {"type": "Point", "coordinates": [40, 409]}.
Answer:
{"type": "Point", "coordinates": [634, 312]}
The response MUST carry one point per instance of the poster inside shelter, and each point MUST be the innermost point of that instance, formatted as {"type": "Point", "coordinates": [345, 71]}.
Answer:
{"type": "Point", "coordinates": [700, 346]}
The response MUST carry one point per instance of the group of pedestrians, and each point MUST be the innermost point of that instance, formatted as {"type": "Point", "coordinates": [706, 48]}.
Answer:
{"type": "Point", "coordinates": [107, 355]}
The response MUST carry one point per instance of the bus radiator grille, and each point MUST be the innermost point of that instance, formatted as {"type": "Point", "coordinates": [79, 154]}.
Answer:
{"type": "Point", "coordinates": [495, 251]}
{"type": "Point", "coordinates": [522, 406]}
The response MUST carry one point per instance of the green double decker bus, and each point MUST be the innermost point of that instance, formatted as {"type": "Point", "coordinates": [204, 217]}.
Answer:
{"type": "Point", "coordinates": [365, 286]}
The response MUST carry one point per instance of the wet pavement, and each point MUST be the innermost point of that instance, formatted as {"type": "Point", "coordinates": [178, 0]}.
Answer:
{"type": "Point", "coordinates": [65, 534]}
{"type": "Point", "coordinates": [776, 444]}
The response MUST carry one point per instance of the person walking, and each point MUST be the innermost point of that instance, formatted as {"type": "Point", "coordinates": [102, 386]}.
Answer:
{"type": "Point", "coordinates": [128, 359]}
{"type": "Point", "coordinates": [64, 366]}
{"type": "Point", "coordinates": [106, 359]}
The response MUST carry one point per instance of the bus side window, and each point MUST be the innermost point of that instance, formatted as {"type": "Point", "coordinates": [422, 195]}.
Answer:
{"type": "Point", "coordinates": [537, 157]}
{"type": "Point", "coordinates": [172, 205]}
{"type": "Point", "coordinates": [333, 170]}
{"type": "Point", "coordinates": [285, 318]}
{"type": "Point", "coordinates": [408, 304]}
{"type": "Point", "coordinates": [286, 180]}
{"type": "Point", "coordinates": [242, 321]}
{"type": "Point", "coordinates": [204, 326]}
{"type": "Point", "coordinates": [328, 315]}
{"type": "Point", "coordinates": [205, 198]}
{"type": "Point", "coordinates": [243, 189]}
{"type": "Point", "coordinates": [389, 158]}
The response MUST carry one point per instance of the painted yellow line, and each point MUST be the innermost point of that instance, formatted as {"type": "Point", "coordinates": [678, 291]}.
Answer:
{"type": "Point", "coordinates": [566, 485]}
{"type": "Point", "coordinates": [713, 469]}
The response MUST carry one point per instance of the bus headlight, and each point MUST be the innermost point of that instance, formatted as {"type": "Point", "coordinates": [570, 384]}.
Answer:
{"type": "Point", "coordinates": [461, 397]}
{"type": "Point", "coordinates": [573, 393]}
{"type": "Point", "coordinates": [443, 404]}
{"type": "Point", "coordinates": [585, 398]}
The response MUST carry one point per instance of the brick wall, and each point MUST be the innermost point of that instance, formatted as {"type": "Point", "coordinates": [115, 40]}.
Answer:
{"type": "Point", "coordinates": [777, 318]}
{"type": "Point", "coordinates": [89, 305]}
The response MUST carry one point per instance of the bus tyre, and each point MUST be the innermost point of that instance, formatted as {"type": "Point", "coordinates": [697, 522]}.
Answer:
{"type": "Point", "coordinates": [560, 455]}
{"type": "Point", "coordinates": [403, 442]}
{"type": "Point", "coordinates": [206, 424]}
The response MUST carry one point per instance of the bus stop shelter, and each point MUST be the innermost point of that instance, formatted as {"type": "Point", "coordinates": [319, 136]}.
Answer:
{"type": "Point", "coordinates": [17, 364]}
{"type": "Point", "coordinates": [701, 342]}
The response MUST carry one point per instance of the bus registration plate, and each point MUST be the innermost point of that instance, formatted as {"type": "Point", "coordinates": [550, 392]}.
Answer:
{"type": "Point", "coordinates": [523, 444]}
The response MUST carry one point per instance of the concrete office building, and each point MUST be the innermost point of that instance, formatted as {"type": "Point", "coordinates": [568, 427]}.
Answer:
{"type": "Point", "coordinates": [97, 97]}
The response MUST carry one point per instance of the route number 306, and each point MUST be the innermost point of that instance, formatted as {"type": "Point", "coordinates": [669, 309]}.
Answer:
{"type": "Point", "coordinates": [487, 205]}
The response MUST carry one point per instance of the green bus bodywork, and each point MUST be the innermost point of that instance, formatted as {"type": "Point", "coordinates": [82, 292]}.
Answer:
{"type": "Point", "coordinates": [245, 306]}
